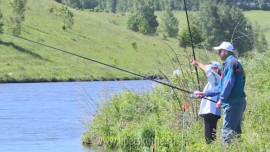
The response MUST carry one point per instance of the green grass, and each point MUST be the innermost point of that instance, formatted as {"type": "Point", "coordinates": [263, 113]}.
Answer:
{"type": "Point", "coordinates": [261, 17]}
{"type": "Point", "coordinates": [100, 36]}
{"type": "Point", "coordinates": [156, 116]}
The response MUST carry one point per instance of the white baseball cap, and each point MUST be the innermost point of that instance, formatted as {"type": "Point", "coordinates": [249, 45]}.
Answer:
{"type": "Point", "coordinates": [225, 46]}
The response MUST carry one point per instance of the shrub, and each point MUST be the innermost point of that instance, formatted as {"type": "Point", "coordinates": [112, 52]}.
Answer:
{"type": "Point", "coordinates": [18, 16]}
{"type": "Point", "coordinates": [184, 37]}
{"type": "Point", "coordinates": [144, 19]}
{"type": "Point", "coordinates": [134, 45]}
{"type": "Point", "coordinates": [169, 24]}
{"type": "Point", "coordinates": [97, 9]}
{"type": "Point", "coordinates": [136, 22]}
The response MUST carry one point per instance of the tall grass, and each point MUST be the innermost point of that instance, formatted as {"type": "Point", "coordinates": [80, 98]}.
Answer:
{"type": "Point", "coordinates": [131, 122]}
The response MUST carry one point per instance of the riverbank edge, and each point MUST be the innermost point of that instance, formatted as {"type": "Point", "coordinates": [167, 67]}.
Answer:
{"type": "Point", "coordinates": [44, 80]}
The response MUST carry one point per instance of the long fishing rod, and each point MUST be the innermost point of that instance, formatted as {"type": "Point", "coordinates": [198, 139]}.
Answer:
{"type": "Point", "coordinates": [114, 67]}
{"type": "Point", "coordinates": [192, 46]}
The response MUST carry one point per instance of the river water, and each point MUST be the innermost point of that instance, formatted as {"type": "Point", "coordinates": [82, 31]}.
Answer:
{"type": "Point", "coordinates": [41, 117]}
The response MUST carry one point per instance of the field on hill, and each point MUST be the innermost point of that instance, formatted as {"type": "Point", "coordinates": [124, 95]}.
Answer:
{"type": "Point", "coordinates": [99, 36]}
{"type": "Point", "coordinates": [260, 17]}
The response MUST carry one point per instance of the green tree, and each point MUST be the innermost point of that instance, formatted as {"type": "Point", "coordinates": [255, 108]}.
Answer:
{"type": "Point", "coordinates": [86, 4]}
{"type": "Point", "coordinates": [145, 9]}
{"type": "Point", "coordinates": [72, 3]}
{"type": "Point", "coordinates": [111, 5]}
{"type": "Point", "coordinates": [169, 24]}
{"type": "Point", "coordinates": [18, 9]}
{"type": "Point", "coordinates": [136, 22]}
{"type": "Point", "coordinates": [184, 37]}
{"type": "Point", "coordinates": [89, 4]}
{"type": "Point", "coordinates": [220, 22]}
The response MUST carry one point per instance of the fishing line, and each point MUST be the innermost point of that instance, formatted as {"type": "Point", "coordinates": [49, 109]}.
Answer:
{"type": "Point", "coordinates": [114, 67]}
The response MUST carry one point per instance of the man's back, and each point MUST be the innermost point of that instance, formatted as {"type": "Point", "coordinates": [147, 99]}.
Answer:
{"type": "Point", "coordinates": [233, 81]}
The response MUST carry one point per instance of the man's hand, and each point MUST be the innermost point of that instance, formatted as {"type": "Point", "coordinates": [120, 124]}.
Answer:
{"type": "Point", "coordinates": [198, 64]}
{"type": "Point", "coordinates": [195, 63]}
{"type": "Point", "coordinates": [218, 105]}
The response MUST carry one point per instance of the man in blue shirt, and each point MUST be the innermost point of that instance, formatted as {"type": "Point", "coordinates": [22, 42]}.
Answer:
{"type": "Point", "coordinates": [231, 92]}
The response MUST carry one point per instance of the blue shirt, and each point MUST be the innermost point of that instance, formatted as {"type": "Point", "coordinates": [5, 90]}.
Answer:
{"type": "Point", "coordinates": [231, 88]}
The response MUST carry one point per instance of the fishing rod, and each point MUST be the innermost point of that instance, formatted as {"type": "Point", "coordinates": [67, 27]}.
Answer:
{"type": "Point", "coordinates": [192, 46]}
{"type": "Point", "coordinates": [105, 64]}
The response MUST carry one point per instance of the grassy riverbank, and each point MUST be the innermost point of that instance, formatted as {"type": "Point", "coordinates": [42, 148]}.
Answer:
{"type": "Point", "coordinates": [131, 122]}
{"type": "Point", "coordinates": [100, 36]}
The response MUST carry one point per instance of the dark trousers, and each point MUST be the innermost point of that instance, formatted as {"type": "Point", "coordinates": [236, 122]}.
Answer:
{"type": "Point", "coordinates": [210, 124]}
{"type": "Point", "coordinates": [232, 121]}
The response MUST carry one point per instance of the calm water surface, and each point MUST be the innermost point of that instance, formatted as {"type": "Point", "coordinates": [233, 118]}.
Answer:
{"type": "Point", "coordinates": [39, 117]}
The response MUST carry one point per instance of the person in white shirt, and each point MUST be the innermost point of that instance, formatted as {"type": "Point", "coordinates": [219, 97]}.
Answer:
{"type": "Point", "coordinates": [208, 109]}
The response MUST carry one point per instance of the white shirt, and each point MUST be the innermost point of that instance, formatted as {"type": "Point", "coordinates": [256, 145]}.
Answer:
{"type": "Point", "coordinates": [206, 105]}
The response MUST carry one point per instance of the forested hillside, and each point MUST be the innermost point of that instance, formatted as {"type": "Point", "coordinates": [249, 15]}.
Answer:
{"type": "Point", "coordinates": [127, 5]}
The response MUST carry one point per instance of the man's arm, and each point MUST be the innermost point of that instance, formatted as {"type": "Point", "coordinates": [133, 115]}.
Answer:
{"type": "Point", "coordinates": [199, 64]}
{"type": "Point", "coordinates": [227, 88]}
